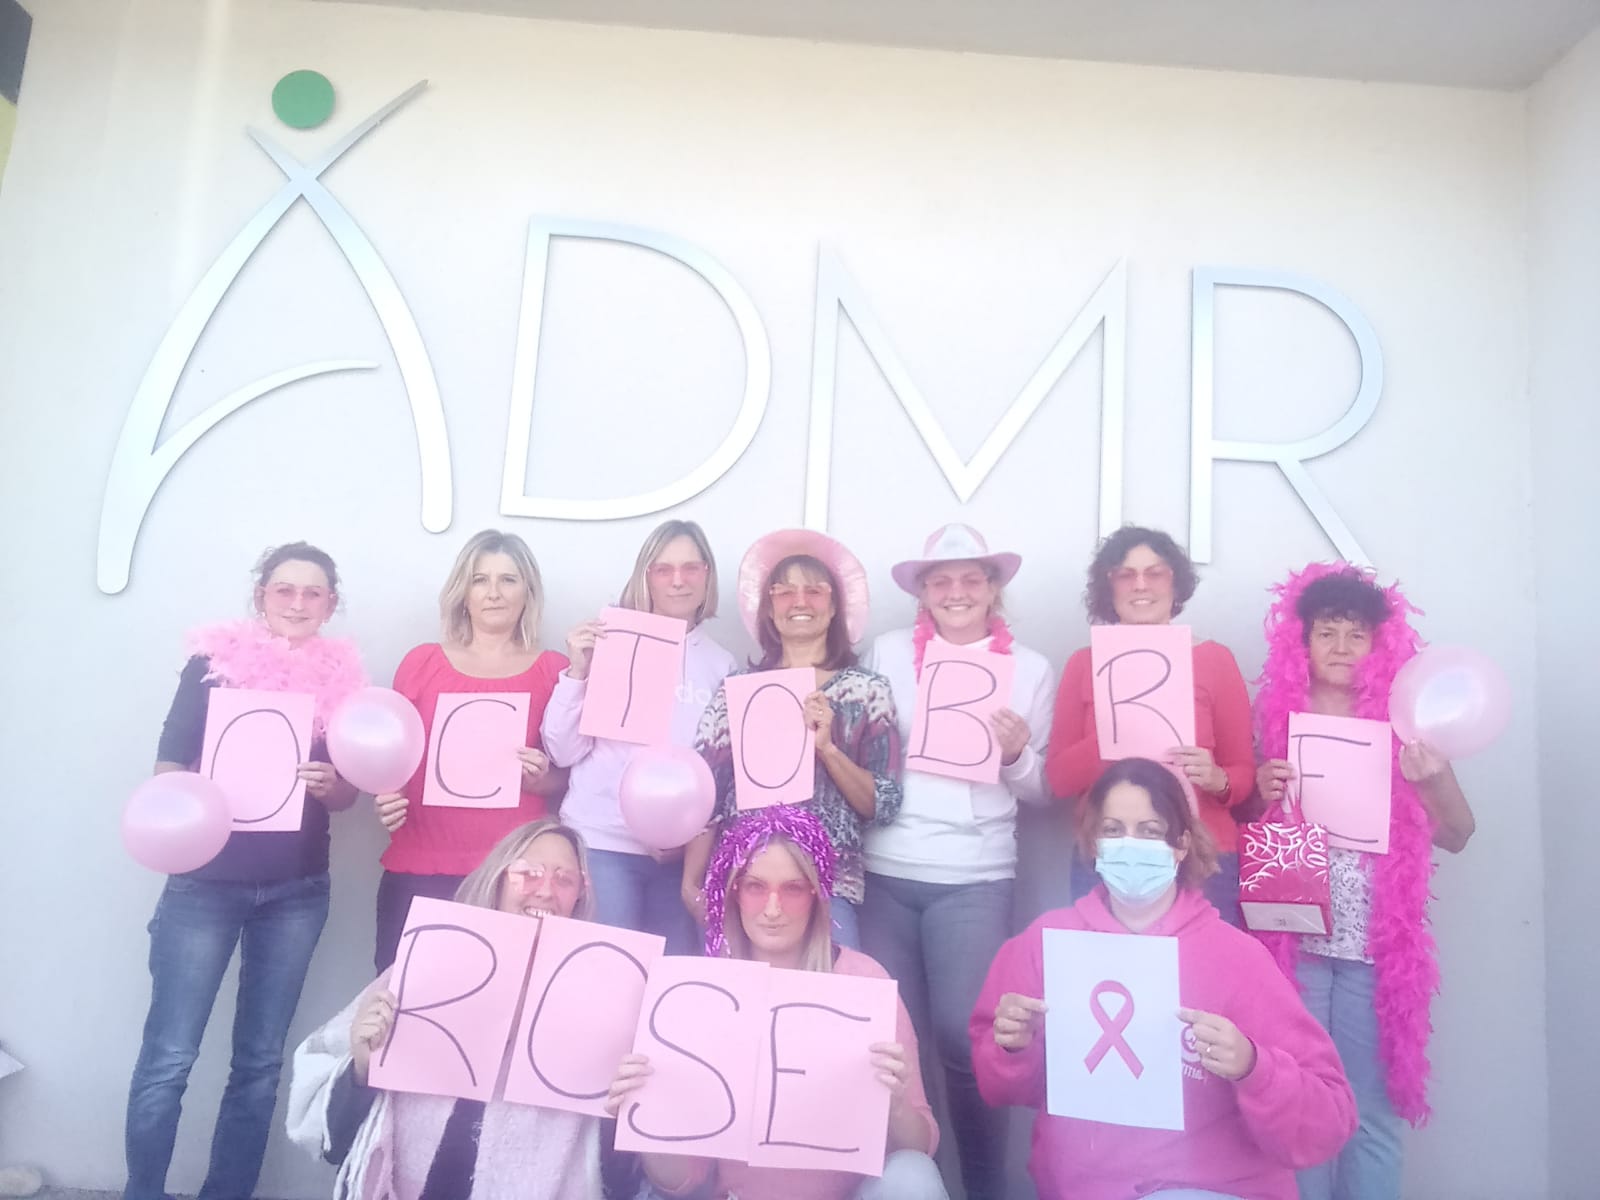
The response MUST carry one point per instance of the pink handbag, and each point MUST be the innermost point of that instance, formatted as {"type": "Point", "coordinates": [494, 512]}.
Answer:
{"type": "Point", "coordinates": [1283, 873]}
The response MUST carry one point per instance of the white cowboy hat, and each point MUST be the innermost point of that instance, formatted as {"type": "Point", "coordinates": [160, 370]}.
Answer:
{"type": "Point", "coordinates": [955, 543]}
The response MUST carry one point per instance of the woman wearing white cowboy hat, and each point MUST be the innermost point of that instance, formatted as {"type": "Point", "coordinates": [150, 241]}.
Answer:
{"type": "Point", "coordinates": [939, 878]}
{"type": "Point", "coordinates": [803, 597]}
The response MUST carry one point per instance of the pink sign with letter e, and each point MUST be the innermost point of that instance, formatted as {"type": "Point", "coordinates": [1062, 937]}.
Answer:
{"type": "Point", "coordinates": [1343, 768]}
{"type": "Point", "coordinates": [1143, 689]}
{"type": "Point", "coordinates": [456, 983]}
{"type": "Point", "coordinates": [959, 691]}
{"type": "Point", "coordinates": [633, 681]}
{"type": "Point", "coordinates": [774, 750]}
{"type": "Point", "coordinates": [582, 1007]}
{"type": "Point", "coordinates": [1113, 1041]}
{"type": "Point", "coordinates": [472, 754]}
{"type": "Point", "coordinates": [701, 1026]}
{"type": "Point", "coordinates": [818, 1102]}
{"type": "Point", "coordinates": [254, 744]}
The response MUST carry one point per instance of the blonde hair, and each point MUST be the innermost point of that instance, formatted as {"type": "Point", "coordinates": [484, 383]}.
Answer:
{"type": "Point", "coordinates": [482, 887]}
{"type": "Point", "coordinates": [454, 619]}
{"type": "Point", "coordinates": [636, 592]}
{"type": "Point", "coordinates": [817, 953]}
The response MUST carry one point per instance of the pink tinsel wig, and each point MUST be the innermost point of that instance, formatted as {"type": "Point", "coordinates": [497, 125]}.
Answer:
{"type": "Point", "coordinates": [1398, 938]}
{"type": "Point", "coordinates": [747, 837]}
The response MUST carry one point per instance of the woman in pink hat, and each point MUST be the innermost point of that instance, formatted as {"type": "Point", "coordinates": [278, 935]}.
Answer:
{"type": "Point", "coordinates": [939, 878]}
{"type": "Point", "coordinates": [804, 599]}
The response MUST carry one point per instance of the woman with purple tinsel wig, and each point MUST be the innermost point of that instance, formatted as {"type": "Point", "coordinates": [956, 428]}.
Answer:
{"type": "Point", "coordinates": [767, 889]}
{"type": "Point", "coordinates": [1335, 641]}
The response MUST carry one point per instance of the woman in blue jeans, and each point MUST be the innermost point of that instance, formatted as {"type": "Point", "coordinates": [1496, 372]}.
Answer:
{"type": "Point", "coordinates": [939, 877]}
{"type": "Point", "coordinates": [266, 893]}
{"type": "Point", "coordinates": [1335, 641]}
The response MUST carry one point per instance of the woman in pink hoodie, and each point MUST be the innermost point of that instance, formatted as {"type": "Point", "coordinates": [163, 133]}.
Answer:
{"type": "Point", "coordinates": [1263, 1091]}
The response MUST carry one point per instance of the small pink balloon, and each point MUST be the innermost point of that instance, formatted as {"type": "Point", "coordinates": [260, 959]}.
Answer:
{"type": "Point", "coordinates": [375, 740]}
{"type": "Point", "coordinates": [667, 795]}
{"type": "Point", "coordinates": [1453, 698]}
{"type": "Point", "coordinates": [176, 822]}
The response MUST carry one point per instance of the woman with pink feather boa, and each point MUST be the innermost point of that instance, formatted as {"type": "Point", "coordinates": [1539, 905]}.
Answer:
{"type": "Point", "coordinates": [1335, 642]}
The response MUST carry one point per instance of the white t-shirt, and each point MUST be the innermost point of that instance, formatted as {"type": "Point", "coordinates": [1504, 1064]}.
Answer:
{"type": "Point", "coordinates": [951, 831]}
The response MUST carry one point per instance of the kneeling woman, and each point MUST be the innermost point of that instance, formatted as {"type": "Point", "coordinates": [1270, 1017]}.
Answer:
{"type": "Point", "coordinates": [404, 1146]}
{"type": "Point", "coordinates": [767, 892]}
{"type": "Point", "coordinates": [1263, 1090]}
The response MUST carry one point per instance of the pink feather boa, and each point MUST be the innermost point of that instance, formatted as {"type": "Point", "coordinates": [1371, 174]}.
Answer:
{"type": "Point", "coordinates": [243, 654]}
{"type": "Point", "coordinates": [1398, 937]}
{"type": "Point", "coordinates": [924, 631]}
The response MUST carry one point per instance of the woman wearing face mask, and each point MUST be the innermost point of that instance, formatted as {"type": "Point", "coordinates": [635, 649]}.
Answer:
{"type": "Point", "coordinates": [939, 878]}
{"type": "Point", "coordinates": [767, 893]}
{"type": "Point", "coordinates": [675, 576]}
{"type": "Point", "coordinates": [1142, 577]}
{"type": "Point", "coordinates": [266, 893]}
{"type": "Point", "coordinates": [804, 599]}
{"type": "Point", "coordinates": [489, 609]}
{"type": "Point", "coordinates": [1263, 1091]}
{"type": "Point", "coordinates": [1335, 641]}
{"type": "Point", "coordinates": [405, 1146]}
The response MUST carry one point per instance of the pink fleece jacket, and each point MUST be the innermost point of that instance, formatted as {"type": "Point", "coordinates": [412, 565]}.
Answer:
{"type": "Point", "coordinates": [1295, 1108]}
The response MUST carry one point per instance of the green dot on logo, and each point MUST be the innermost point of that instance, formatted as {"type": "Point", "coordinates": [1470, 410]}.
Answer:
{"type": "Point", "coordinates": [303, 99]}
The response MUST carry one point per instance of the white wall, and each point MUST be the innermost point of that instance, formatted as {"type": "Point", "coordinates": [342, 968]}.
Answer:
{"type": "Point", "coordinates": [977, 200]}
{"type": "Point", "coordinates": [1563, 256]}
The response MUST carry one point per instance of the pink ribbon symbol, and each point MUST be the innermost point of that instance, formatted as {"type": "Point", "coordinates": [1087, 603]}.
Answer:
{"type": "Point", "coordinates": [1112, 1038]}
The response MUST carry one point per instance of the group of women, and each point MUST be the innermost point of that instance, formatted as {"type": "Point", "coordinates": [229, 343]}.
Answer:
{"type": "Point", "coordinates": [882, 872]}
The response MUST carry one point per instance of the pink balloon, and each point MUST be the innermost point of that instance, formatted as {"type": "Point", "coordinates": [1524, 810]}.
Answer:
{"type": "Point", "coordinates": [375, 740]}
{"type": "Point", "coordinates": [667, 795]}
{"type": "Point", "coordinates": [1451, 697]}
{"type": "Point", "coordinates": [176, 822]}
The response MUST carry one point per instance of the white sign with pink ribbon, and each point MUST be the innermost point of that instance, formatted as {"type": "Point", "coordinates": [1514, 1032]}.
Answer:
{"type": "Point", "coordinates": [1113, 1041]}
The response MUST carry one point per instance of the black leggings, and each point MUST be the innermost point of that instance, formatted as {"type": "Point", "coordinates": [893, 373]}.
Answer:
{"type": "Point", "coordinates": [395, 893]}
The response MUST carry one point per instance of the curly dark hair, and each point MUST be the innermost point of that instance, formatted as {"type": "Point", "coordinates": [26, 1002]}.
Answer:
{"type": "Point", "coordinates": [1114, 548]}
{"type": "Point", "coordinates": [1342, 596]}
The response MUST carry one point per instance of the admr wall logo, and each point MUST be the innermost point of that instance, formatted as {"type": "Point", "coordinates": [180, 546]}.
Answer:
{"type": "Point", "coordinates": [301, 100]}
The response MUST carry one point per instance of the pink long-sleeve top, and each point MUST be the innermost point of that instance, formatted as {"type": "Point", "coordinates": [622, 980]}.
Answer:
{"type": "Point", "coordinates": [771, 1183]}
{"type": "Point", "coordinates": [591, 806]}
{"type": "Point", "coordinates": [1245, 1138]}
{"type": "Point", "coordinates": [1221, 725]}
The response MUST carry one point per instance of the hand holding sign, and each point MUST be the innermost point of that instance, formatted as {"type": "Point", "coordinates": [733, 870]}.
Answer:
{"type": "Point", "coordinates": [960, 694]}
{"type": "Point", "coordinates": [1223, 1049]}
{"type": "Point", "coordinates": [1113, 1049]}
{"type": "Point", "coordinates": [633, 681]}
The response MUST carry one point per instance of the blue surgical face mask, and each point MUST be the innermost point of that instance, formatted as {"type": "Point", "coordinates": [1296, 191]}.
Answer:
{"type": "Point", "coordinates": [1136, 870]}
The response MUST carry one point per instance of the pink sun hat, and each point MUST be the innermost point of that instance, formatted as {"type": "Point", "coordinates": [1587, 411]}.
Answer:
{"type": "Point", "coordinates": [772, 549]}
{"type": "Point", "coordinates": [955, 543]}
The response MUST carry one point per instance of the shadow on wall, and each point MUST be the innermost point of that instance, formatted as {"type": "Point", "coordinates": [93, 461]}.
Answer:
{"type": "Point", "coordinates": [15, 26]}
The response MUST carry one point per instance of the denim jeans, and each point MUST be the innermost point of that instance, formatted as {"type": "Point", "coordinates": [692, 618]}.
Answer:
{"type": "Point", "coordinates": [1338, 993]}
{"type": "Point", "coordinates": [938, 940]}
{"type": "Point", "coordinates": [907, 1175]}
{"type": "Point", "coordinates": [634, 891]}
{"type": "Point", "coordinates": [1222, 888]}
{"type": "Point", "coordinates": [846, 923]}
{"type": "Point", "coordinates": [192, 935]}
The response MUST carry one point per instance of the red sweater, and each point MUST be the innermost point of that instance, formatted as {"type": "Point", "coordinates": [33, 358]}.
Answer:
{"type": "Point", "coordinates": [1221, 725]}
{"type": "Point", "coordinates": [453, 841]}
{"type": "Point", "coordinates": [1245, 1138]}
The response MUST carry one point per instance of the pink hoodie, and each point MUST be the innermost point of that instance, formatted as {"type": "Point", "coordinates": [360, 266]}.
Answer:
{"type": "Point", "coordinates": [1295, 1108]}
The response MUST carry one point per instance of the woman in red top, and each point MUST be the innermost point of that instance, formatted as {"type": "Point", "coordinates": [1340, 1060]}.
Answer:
{"type": "Point", "coordinates": [1142, 577]}
{"type": "Point", "coordinates": [489, 609]}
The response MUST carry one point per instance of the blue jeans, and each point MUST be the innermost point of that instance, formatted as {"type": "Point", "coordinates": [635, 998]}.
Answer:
{"type": "Point", "coordinates": [1338, 993]}
{"type": "Point", "coordinates": [846, 923]}
{"type": "Point", "coordinates": [1222, 889]}
{"type": "Point", "coordinates": [192, 935]}
{"type": "Point", "coordinates": [938, 940]}
{"type": "Point", "coordinates": [907, 1175]}
{"type": "Point", "coordinates": [634, 891]}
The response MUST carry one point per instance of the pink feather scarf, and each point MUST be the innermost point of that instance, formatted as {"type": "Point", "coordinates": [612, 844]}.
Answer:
{"type": "Point", "coordinates": [924, 631]}
{"type": "Point", "coordinates": [244, 654]}
{"type": "Point", "coordinates": [1398, 938]}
